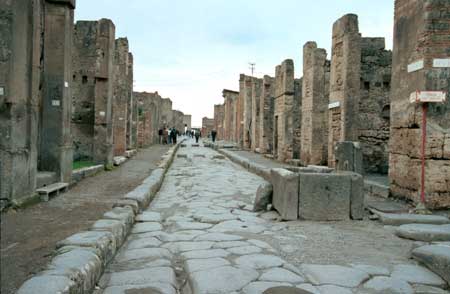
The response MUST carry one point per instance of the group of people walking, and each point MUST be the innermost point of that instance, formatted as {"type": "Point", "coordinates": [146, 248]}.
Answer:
{"type": "Point", "coordinates": [168, 136]}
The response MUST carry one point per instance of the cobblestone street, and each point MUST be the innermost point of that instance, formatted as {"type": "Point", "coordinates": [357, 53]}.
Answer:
{"type": "Point", "coordinates": [200, 236]}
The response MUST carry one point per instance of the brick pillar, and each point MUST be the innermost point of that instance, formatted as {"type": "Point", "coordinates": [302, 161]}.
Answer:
{"type": "Point", "coordinates": [314, 135]}
{"type": "Point", "coordinates": [56, 149]}
{"type": "Point", "coordinates": [266, 115]}
{"type": "Point", "coordinates": [344, 83]}
{"type": "Point", "coordinates": [256, 97]}
{"type": "Point", "coordinates": [19, 97]}
{"type": "Point", "coordinates": [421, 62]}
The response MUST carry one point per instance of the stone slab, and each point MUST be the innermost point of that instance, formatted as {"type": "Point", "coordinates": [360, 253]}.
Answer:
{"type": "Point", "coordinates": [263, 197]}
{"type": "Point", "coordinates": [424, 232]}
{"type": "Point", "coordinates": [397, 219]}
{"type": "Point", "coordinates": [334, 275]}
{"type": "Point", "coordinates": [285, 193]}
{"type": "Point", "coordinates": [414, 274]}
{"type": "Point", "coordinates": [387, 206]}
{"type": "Point", "coordinates": [48, 284]}
{"type": "Point", "coordinates": [388, 285]}
{"type": "Point", "coordinates": [116, 227]}
{"type": "Point", "coordinates": [436, 258]}
{"type": "Point", "coordinates": [164, 275]}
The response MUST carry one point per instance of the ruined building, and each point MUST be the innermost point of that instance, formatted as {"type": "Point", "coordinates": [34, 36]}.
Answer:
{"type": "Point", "coordinates": [219, 116]}
{"type": "Point", "coordinates": [230, 114]}
{"type": "Point", "coordinates": [149, 118]}
{"type": "Point", "coordinates": [420, 63]}
{"type": "Point", "coordinates": [35, 95]}
{"type": "Point", "coordinates": [207, 126]}
{"type": "Point", "coordinates": [93, 91]}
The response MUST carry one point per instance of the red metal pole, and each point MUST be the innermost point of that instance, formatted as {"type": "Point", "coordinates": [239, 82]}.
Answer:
{"type": "Point", "coordinates": [424, 142]}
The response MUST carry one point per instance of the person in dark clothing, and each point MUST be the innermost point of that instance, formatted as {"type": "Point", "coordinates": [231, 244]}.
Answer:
{"type": "Point", "coordinates": [160, 134]}
{"type": "Point", "coordinates": [213, 135]}
{"type": "Point", "coordinates": [174, 135]}
{"type": "Point", "coordinates": [197, 135]}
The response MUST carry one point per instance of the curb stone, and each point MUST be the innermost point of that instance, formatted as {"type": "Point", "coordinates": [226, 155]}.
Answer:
{"type": "Point", "coordinates": [80, 259]}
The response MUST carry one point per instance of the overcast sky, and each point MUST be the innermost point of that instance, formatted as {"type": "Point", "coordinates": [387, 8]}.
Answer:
{"type": "Point", "coordinates": [190, 50]}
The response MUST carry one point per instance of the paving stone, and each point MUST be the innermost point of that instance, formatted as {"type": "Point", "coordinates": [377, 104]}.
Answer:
{"type": "Point", "coordinates": [181, 236]}
{"type": "Point", "coordinates": [164, 275]}
{"type": "Point", "coordinates": [424, 232]}
{"type": "Point", "coordinates": [192, 226]}
{"type": "Point", "coordinates": [260, 287]}
{"type": "Point", "coordinates": [335, 275]}
{"type": "Point", "coordinates": [230, 244]}
{"type": "Point", "coordinates": [153, 288]}
{"type": "Point", "coordinates": [47, 284]}
{"type": "Point", "coordinates": [416, 275]}
{"type": "Point", "coordinates": [146, 227]}
{"type": "Point", "coordinates": [115, 227]}
{"type": "Point", "coordinates": [144, 243]}
{"type": "Point", "coordinates": [244, 250]}
{"type": "Point", "coordinates": [388, 285]}
{"type": "Point", "coordinates": [398, 219]}
{"type": "Point", "coordinates": [436, 258]}
{"type": "Point", "coordinates": [372, 270]}
{"type": "Point", "coordinates": [238, 226]}
{"type": "Point", "coordinates": [137, 264]}
{"type": "Point", "coordinates": [211, 253]}
{"type": "Point", "coordinates": [252, 219]}
{"type": "Point", "coordinates": [259, 261]}
{"type": "Point", "coordinates": [193, 265]}
{"type": "Point", "coordinates": [424, 289]}
{"type": "Point", "coordinates": [281, 275]}
{"type": "Point", "coordinates": [270, 216]}
{"type": "Point", "coordinates": [216, 218]}
{"type": "Point", "coordinates": [332, 289]}
{"type": "Point", "coordinates": [124, 214]}
{"type": "Point", "coordinates": [260, 244]}
{"type": "Point", "coordinates": [218, 280]}
{"type": "Point", "coordinates": [188, 246]}
{"type": "Point", "coordinates": [133, 204]}
{"type": "Point", "coordinates": [309, 288]}
{"type": "Point", "coordinates": [218, 237]}
{"type": "Point", "coordinates": [146, 253]}
{"type": "Point", "coordinates": [148, 216]}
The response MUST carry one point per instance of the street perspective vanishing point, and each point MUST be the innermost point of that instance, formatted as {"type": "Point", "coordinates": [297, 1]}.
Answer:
{"type": "Point", "coordinates": [323, 172]}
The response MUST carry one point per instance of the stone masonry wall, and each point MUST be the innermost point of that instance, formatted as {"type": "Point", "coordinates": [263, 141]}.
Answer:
{"type": "Point", "coordinates": [247, 114]}
{"type": "Point", "coordinates": [256, 112]}
{"type": "Point", "coordinates": [132, 112]}
{"type": "Point", "coordinates": [230, 114]}
{"type": "Point", "coordinates": [187, 121]}
{"type": "Point", "coordinates": [207, 126]}
{"type": "Point", "coordinates": [219, 117]}
{"type": "Point", "coordinates": [149, 118]}
{"type": "Point", "coordinates": [421, 33]}
{"type": "Point", "coordinates": [239, 135]}
{"type": "Point", "coordinates": [266, 115]}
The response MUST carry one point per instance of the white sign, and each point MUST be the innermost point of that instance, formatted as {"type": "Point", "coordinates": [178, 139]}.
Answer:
{"type": "Point", "coordinates": [66, 84]}
{"type": "Point", "coordinates": [2, 91]}
{"type": "Point", "coordinates": [120, 118]}
{"type": "Point", "coordinates": [102, 113]}
{"type": "Point", "coordinates": [56, 103]}
{"type": "Point", "coordinates": [427, 96]}
{"type": "Point", "coordinates": [415, 66]}
{"type": "Point", "coordinates": [334, 105]}
{"type": "Point", "coordinates": [441, 62]}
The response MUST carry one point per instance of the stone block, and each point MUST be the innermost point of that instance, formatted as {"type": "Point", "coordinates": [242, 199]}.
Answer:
{"type": "Point", "coordinates": [285, 193]}
{"type": "Point", "coordinates": [48, 284]}
{"type": "Point", "coordinates": [424, 232]}
{"type": "Point", "coordinates": [324, 197]}
{"type": "Point", "coordinates": [141, 194]}
{"type": "Point", "coordinates": [436, 258]}
{"type": "Point", "coordinates": [357, 204]}
{"type": "Point", "coordinates": [124, 214]}
{"type": "Point", "coordinates": [349, 157]}
{"type": "Point", "coordinates": [116, 227]}
{"type": "Point", "coordinates": [133, 204]}
{"type": "Point", "coordinates": [263, 197]}
{"type": "Point", "coordinates": [119, 160]}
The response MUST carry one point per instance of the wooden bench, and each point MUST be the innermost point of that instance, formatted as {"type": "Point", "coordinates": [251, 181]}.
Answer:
{"type": "Point", "coordinates": [56, 188]}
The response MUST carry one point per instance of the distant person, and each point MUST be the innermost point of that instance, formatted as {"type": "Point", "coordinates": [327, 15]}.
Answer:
{"type": "Point", "coordinates": [197, 135]}
{"type": "Point", "coordinates": [170, 136]}
{"type": "Point", "coordinates": [213, 135]}
{"type": "Point", "coordinates": [160, 134]}
{"type": "Point", "coordinates": [165, 136]}
{"type": "Point", "coordinates": [174, 135]}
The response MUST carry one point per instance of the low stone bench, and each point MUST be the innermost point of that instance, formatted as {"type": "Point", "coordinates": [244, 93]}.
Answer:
{"type": "Point", "coordinates": [55, 189]}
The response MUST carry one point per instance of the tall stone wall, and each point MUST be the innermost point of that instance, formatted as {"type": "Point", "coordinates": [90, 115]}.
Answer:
{"type": "Point", "coordinates": [266, 115]}
{"type": "Point", "coordinates": [374, 105]}
{"type": "Point", "coordinates": [257, 85]}
{"type": "Point", "coordinates": [283, 111]}
{"type": "Point", "coordinates": [219, 120]}
{"type": "Point", "coordinates": [132, 113]}
{"type": "Point", "coordinates": [247, 112]}
{"type": "Point", "coordinates": [344, 83]}
{"type": "Point", "coordinates": [315, 98]}
{"type": "Point", "coordinates": [187, 121]}
{"type": "Point", "coordinates": [230, 114]}
{"type": "Point", "coordinates": [166, 113]}
{"type": "Point", "coordinates": [149, 107]}
{"type": "Point", "coordinates": [420, 63]}
{"type": "Point", "coordinates": [94, 79]}
{"type": "Point", "coordinates": [207, 126]}
{"type": "Point", "coordinates": [297, 119]}
{"type": "Point", "coordinates": [177, 118]}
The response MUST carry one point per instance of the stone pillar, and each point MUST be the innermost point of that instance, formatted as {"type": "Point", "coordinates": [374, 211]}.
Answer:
{"type": "Point", "coordinates": [132, 107]}
{"type": "Point", "coordinates": [266, 115]}
{"type": "Point", "coordinates": [344, 83]}
{"type": "Point", "coordinates": [56, 149]}
{"type": "Point", "coordinates": [239, 136]}
{"type": "Point", "coordinates": [256, 97]}
{"type": "Point", "coordinates": [20, 52]}
{"type": "Point", "coordinates": [230, 101]}
{"type": "Point", "coordinates": [314, 134]}
{"type": "Point", "coordinates": [219, 117]}
{"type": "Point", "coordinates": [283, 111]}
{"type": "Point", "coordinates": [121, 97]}
{"type": "Point", "coordinates": [247, 113]}
{"type": "Point", "coordinates": [420, 62]}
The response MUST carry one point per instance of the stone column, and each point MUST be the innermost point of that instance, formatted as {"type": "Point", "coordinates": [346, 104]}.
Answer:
{"type": "Point", "coordinates": [239, 139]}
{"type": "Point", "coordinates": [256, 97]}
{"type": "Point", "coordinates": [56, 149]}
{"type": "Point", "coordinates": [266, 116]}
{"type": "Point", "coordinates": [230, 100]}
{"type": "Point", "coordinates": [344, 83]}
{"type": "Point", "coordinates": [219, 116]}
{"type": "Point", "coordinates": [132, 107]}
{"type": "Point", "coordinates": [421, 62]}
{"type": "Point", "coordinates": [121, 96]}
{"type": "Point", "coordinates": [314, 134]}
{"type": "Point", "coordinates": [20, 51]}
{"type": "Point", "coordinates": [247, 116]}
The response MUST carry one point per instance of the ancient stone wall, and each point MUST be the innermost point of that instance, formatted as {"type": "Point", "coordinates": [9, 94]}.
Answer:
{"type": "Point", "coordinates": [132, 113]}
{"type": "Point", "coordinates": [166, 113]}
{"type": "Point", "coordinates": [239, 135]}
{"type": "Point", "coordinates": [230, 114]}
{"type": "Point", "coordinates": [149, 118]}
{"type": "Point", "coordinates": [247, 112]}
{"type": "Point", "coordinates": [207, 126]}
{"type": "Point", "coordinates": [121, 96]}
{"type": "Point", "coordinates": [315, 98]}
{"type": "Point", "coordinates": [421, 62]}
{"type": "Point", "coordinates": [344, 83]}
{"type": "Point", "coordinates": [187, 121]}
{"type": "Point", "coordinates": [374, 109]}
{"type": "Point", "coordinates": [177, 120]}
{"type": "Point", "coordinates": [297, 119]}
{"type": "Point", "coordinates": [283, 111]}
{"type": "Point", "coordinates": [94, 80]}
{"type": "Point", "coordinates": [257, 85]}
{"type": "Point", "coordinates": [219, 120]}
{"type": "Point", "coordinates": [266, 108]}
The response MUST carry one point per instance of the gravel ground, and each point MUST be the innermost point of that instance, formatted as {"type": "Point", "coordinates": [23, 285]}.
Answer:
{"type": "Point", "coordinates": [28, 236]}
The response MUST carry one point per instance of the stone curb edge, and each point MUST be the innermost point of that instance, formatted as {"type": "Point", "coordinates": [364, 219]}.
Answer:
{"type": "Point", "coordinates": [79, 260]}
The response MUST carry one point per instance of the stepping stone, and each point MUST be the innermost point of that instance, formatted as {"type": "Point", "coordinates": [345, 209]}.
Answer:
{"type": "Point", "coordinates": [146, 227]}
{"type": "Point", "coordinates": [388, 285]}
{"type": "Point", "coordinates": [393, 219]}
{"type": "Point", "coordinates": [424, 232]}
{"type": "Point", "coordinates": [335, 275]}
{"type": "Point", "coordinates": [146, 253]}
{"type": "Point", "coordinates": [436, 258]}
{"type": "Point", "coordinates": [281, 275]}
{"type": "Point", "coordinates": [181, 236]}
{"type": "Point", "coordinates": [387, 206]}
{"type": "Point", "coordinates": [260, 287]}
{"type": "Point", "coordinates": [416, 275]}
{"type": "Point", "coordinates": [230, 244]}
{"type": "Point", "coordinates": [238, 226]}
{"type": "Point", "coordinates": [192, 226]}
{"type": "Point", "coordinates": [289, 290]}
{"type": "Point", "coordinates": [259, 261]}
{"type": "Point", "coordinates": [221, 280]}
{"type": "Point", "coordinates": [194, 265]}
{"type": "Point", "coordinates": [147, 276]}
